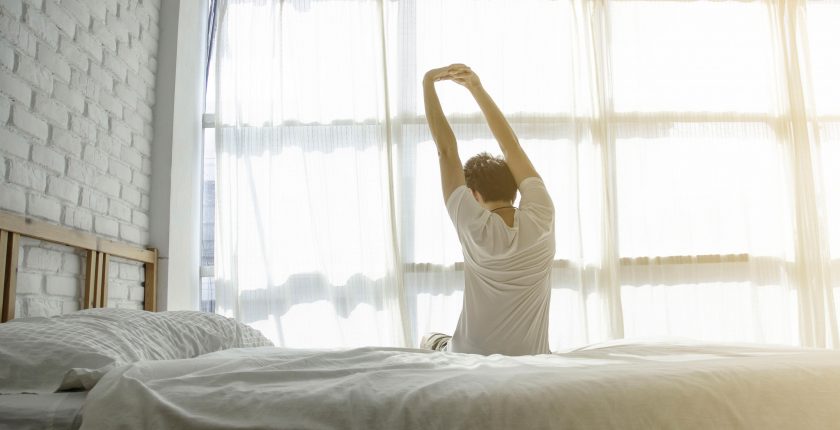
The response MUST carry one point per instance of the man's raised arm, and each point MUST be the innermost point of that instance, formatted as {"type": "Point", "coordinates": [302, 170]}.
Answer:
{"type": "Point", "coordinates": [451, 170]}
{"type": "Point", "coordinates": [515, 157]}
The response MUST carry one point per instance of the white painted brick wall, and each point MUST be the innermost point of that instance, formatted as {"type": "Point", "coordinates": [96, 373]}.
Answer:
{"type": "Point", "coordinates": [77, 84]}
{"type": "Point", "coordinates": [17, 34]}
{"type": "Point", "coordinates": [55, 63]}
{"type": "Point", "coordinates": [32, 72]}
{"type": "Point", "coordinates": [106, 226]}
{"type": "Point", "coordinates": [78, 218]}
{"type": "Point", "coordinates": [48, 159]}
{"type": "Point", "coordinates": [120, 170]}
{"type": "Point", "coordinates": [47, 260]}
{"type": "Point", "coordinates": [29, 123]}
{"type": "Point", "coordinates": [43, 207]}
{"type": "Point", "coordinates": [62, 286]}
{"type": "Point", "coordinates": [80, 171]}
{"type": "Point", "coordinates": [13, 7]}
{"type": "Point", "coordinates": [94, 201]}
{"type": "Point", "coordinates": [71, 98]}
{"type": "Point", "coordinates": [61, 18]}
{"type": "Point", "coordinates": [5, 108]}
{"type": "Point", "coordinates": [11, 198]}
{"type": "Point", "coordinates": [98, 9]}
{"type": "Point", "coordinates": [29, 283]}
{"type": "Point", "coordinates": [108, 185]}
{"type": "Point", "coordinates": [64, 190]}
{"type": "Point", "coordinates": [25, 174]}
{"type": "Point", "coordinates": [15, 87]}
{"type": "Point", "coordinates": [67, 142]}
{"type": "Point", "coordinates": [55, 112]}
{"type": "Point", "coordinates": [73, 55]}
{"type": "Point", "coordinates": [42, 26]}
{"type": "Point", "coordinates": [124, 281]}
{"type": "Point", "coordinates": [14, 144]}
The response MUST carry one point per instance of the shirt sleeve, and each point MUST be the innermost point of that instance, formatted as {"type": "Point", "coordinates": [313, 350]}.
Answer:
{"type": "Point", "coordinates": [463, 208]}
{"type": "Point", "coordinates": [536, 201]}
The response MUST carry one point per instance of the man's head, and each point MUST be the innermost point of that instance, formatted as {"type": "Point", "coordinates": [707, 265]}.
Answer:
{"type": "Point", "coordinates": [490, 178]}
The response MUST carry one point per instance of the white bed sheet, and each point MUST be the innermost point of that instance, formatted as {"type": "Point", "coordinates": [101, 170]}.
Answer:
{"type": "Point", "coordinates": [619, 385]}
{"type": "Point", "coordinates": [55, 411]}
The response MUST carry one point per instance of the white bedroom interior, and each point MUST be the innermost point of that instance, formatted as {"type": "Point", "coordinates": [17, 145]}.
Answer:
{"type": "Point", "coordinates": [692, 173]}
{"type": "Point", "coordinates": [265, 169]}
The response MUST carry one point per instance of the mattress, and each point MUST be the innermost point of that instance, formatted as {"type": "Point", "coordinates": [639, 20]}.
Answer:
{"type": "Point", "coordinates": [627, 385]}
{"type": "Point", "coordinates": [56, 411]}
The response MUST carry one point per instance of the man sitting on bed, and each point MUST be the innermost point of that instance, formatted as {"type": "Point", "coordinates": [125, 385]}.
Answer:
{"type": "Point", "coordinates": [507, 251]}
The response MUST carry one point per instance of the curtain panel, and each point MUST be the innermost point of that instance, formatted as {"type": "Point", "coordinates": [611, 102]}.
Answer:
{"type": "Point", "coordinates": [690, 148]}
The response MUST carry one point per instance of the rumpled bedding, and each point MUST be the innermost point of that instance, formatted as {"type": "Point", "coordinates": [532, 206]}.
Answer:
{"type": "Point", "coordinates": [621, 385]}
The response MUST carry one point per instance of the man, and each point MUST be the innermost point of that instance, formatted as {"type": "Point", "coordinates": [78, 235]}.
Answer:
{"type": "Point", "coordinates": [507, 251]}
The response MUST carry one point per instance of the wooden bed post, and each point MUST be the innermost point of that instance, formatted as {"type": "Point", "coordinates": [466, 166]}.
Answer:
{"type": "Point", "coordinates": [103, 285]}
{"type": "Point", "coordinates": [89, 296]}
{"type": "Point", "coordinates": [97, 286]}
{"type": "Point", "coordinates": [4, 243]}
{"type": "Point", "coordinates": [9, 243]}
{"type": "Point", "coordinates": [96, 280]}
{"type": "Point", "coordinates": [150, 285]}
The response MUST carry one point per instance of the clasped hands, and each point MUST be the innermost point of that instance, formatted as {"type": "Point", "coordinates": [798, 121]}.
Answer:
{"type": "Point", "coordinates": [458, 73]}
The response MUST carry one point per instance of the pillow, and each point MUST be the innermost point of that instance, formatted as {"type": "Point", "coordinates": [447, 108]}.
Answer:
{"type": "Point", "coordinates": [73, 351]}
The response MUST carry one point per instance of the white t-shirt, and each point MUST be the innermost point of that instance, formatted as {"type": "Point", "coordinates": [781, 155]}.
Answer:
{"type": "Point", "coordinates": [506, 271]}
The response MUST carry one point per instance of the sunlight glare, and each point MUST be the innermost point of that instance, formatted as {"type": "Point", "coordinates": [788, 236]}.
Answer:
{"type": "Point", "coordinates": [670, 56]}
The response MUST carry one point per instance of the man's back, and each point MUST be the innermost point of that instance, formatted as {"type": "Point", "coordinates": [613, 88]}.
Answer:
{"type": "Point", "coordinates": [507, 273]}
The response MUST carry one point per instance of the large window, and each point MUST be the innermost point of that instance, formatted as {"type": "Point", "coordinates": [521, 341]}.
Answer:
{"type": "Point", "coordinates": [666, 132]}
{"type": "Point", "coordinates": [823, 35]}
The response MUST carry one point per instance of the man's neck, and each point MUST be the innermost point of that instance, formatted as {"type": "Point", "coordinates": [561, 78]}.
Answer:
{"type": "Point", "coordinates": [498, 206]}
{"type": "Point", "coordinates": [502, 209]}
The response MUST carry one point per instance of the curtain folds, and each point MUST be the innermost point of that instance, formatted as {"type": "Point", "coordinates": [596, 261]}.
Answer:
{"type": "Point", "coordinates": [689, 147]}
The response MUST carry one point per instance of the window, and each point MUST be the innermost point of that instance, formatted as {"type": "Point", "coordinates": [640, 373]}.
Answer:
{"type": "Point", "coordinates": [822, 37]}
{"type": "Point", "coordinates": [668, 158]}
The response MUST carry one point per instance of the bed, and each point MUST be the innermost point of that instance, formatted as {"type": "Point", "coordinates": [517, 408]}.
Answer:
{"type": "Point", "coordinates": [58, 410]}
{"type": "Point", "coordinates": [624, 385]}
{"type": "Point", "coordinates": [662, 384]}
{"type": "Point", "coordinates": [48, 365]}
{"type": "Point", "coordinates": [52, 411]}
{"type": "Point", "coordinates": [114, 368]}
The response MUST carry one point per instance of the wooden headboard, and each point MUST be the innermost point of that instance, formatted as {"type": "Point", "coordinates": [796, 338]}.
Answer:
{"type": "Point", "coordinates": [99, 251]}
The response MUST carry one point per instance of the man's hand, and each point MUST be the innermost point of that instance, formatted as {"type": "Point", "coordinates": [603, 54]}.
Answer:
{"type": "Point", "coordinates": [465, 77]}
{"type": "Point", "coordinates": [439, 74]}
{"type": "Point", "coordinates": [459, 73]}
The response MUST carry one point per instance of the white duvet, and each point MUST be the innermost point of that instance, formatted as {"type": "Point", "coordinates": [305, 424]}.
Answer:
{"type": "Point", "coordinates": [621, 386]}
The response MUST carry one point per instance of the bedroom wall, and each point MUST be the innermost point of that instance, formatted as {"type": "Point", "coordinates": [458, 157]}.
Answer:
{"type": "Point", "coordinates": [176, 202]}
{"type": "Point", "coordinates": [77, 90]}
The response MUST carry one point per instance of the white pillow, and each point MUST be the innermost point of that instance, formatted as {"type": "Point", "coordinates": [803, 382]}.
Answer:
{"type": "Point", "coordinates": [73, 351]}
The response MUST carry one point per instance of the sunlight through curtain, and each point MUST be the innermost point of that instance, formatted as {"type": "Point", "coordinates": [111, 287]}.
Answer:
{"type": "Point", "coordinates": [689, 147]}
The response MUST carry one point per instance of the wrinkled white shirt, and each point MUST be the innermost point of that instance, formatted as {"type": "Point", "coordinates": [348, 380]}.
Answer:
{"type": "Point", "coordinates": [507, 273]}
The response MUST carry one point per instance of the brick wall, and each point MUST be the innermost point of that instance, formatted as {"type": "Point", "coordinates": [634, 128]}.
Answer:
{"type": "Point", "coordinates": [77, 82]}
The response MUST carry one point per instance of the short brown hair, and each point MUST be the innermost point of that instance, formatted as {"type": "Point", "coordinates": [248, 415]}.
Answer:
{"type": "Point", "coordinates": [491, 177]}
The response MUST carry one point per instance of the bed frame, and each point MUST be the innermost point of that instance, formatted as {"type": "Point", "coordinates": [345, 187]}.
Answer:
{"type": "Point", "coordinates": [99, 252]}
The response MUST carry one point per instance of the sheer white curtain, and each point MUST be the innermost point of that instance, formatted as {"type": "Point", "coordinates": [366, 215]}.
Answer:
{"type": "Point", "coordinates": [304, 249]}
{"type": "Point", "coordinates": [688, 146]}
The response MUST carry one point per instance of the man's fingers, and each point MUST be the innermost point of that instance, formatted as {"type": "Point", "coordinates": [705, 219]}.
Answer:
{"type": "Point", "coordinates": [458, 68]}
{"type": "Point", "coordinates": [455, 72]}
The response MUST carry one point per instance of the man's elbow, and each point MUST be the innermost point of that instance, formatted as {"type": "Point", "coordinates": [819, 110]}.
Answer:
{"type": "Point", "coordinates": [444, 154]}
{"type": "Point", "coordinates": [447, 150]}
